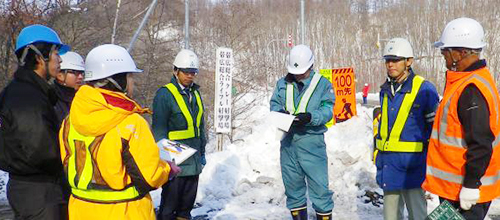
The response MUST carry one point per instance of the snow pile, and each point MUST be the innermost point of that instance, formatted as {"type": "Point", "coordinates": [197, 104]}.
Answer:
{"type": "Point", "coordinates": [244, 181]}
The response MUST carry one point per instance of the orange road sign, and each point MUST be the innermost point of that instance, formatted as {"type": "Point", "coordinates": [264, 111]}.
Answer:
{"type": "Point", "coordinates": [345, 93]}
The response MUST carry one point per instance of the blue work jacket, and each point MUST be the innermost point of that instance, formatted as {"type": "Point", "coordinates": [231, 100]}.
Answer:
{"type": "Point", "coordinates": [402, 170]}
{"type": "Point", "coordinates": [320, 104]}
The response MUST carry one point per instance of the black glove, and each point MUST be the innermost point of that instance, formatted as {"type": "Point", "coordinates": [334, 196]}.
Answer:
{"type": "Point", "coordinates": [284, 111]}
{"type": "Point", "coordinates": [302, 119]}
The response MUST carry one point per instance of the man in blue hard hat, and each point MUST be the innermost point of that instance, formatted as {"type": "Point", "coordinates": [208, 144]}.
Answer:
{"type": "Point", "coordinates": [29, 149]}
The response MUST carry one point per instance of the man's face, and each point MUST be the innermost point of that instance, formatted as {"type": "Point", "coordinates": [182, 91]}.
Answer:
{"type": "Point", "coordinates": [70, 78]}
{"type": "Point", "coordinates": [396, 66]}
{"type": "Point", "coordinates": [54, 63]}
{"type": "Point", "coordinates": [130, 85]}
{"type": "Point", "coordinates": [185, 78]}
{"type": "Point", "coordinates": [303, 76]}
{"type": "Point", "coordinates": [449, 56]}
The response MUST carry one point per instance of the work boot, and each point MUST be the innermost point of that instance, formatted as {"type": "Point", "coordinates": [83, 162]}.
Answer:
{"type": "Point", "coordinates": [323, 216]}
{"type": "Point", "coordinates": [180, 218]}
{"type": "Point", "coordinates": [299, 213]}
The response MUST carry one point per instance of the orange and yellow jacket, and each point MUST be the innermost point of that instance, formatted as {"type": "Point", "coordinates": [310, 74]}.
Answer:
{"type": "Point", "coordinates": [110, 157]}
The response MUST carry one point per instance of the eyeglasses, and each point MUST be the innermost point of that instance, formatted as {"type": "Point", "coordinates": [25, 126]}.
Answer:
{"type": "Point", "coordinates": [75, 72]}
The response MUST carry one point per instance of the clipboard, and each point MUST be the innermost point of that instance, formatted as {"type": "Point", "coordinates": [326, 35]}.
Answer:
{"type": "Point", "coordinates": [174, 151]}
{"type": "Point", "coordinates": [445, 211]}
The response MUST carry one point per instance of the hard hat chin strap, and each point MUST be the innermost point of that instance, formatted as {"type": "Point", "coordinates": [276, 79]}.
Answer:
{"type": "Point", "coordinates": [105, 81]}
{"type": "Point", "coordinates": [45, 59]}
{"type": "Point", "coordinates": [23, 56]}
{"type": "Point", "coordinates": [112, 81]}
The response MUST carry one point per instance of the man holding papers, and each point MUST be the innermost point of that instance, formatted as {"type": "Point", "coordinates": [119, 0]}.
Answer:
{"type": "Point", "coordinates": [307, 95]}
{"type": "Point", "coordinates": [178, 116]}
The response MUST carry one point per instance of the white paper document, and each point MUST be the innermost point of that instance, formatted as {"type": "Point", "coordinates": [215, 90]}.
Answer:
{"type": "Point", "coordinates": [171, 150]}
{"type": "Point", "coordinates": [280, 120]}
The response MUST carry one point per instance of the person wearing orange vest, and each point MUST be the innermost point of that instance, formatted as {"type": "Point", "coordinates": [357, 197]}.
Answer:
{"type": "Point", "coordinates": [463, 159]}
{"type": "Point", "coordinates": [109, 155]}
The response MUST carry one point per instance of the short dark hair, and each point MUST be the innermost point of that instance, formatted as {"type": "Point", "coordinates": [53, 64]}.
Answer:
{"type": "Point", "coordinates": [30, 59]}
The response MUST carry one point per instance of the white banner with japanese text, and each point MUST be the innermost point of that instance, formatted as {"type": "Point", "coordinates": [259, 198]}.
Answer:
{"type": "Point", "coordinates": [223, 88]}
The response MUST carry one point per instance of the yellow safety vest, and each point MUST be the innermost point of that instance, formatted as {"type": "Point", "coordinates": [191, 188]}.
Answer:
{"type": "Point", "coordinates": [190, 131]}
{"type": "Point", "coordinates": [391, 142]}
{"type": "Point", "coordinates": [376, 122]}
{"type": "Point", "coordinates": [83, 175]}
{"type": "Point", "coordinates": [304, 100]}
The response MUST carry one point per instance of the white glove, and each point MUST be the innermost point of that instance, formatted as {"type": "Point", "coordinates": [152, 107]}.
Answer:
{"type": "Point", "coordinates": [468, 197]}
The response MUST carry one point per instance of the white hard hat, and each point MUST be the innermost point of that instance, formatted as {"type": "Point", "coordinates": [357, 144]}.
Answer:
{"type": "Point", "coordinates": [187, 60]}
{"type": "Point", "coordinates": [72, 61]}
{"type": "Point", "coordinates": [398, 48]}
{"type": "Point", "coordinates": [107, 60]}
{"type": "Point", "coordinates": [463, 33]}
{"type": "Point", "coordinates": [366, 84]}
{"type": "Point", "coordinates": [300, 59]}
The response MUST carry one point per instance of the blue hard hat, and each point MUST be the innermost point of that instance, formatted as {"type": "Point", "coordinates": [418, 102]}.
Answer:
{"type": "Point", "coordinates": [38, 33]}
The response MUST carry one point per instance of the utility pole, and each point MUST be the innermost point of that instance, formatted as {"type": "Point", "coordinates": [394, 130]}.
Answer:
{"type": "Point", "coordinates": [118, 3]}
{"type": "Point", "coordinates": [302, 22]}
{"type": "Point", "coordinates": [186, 24]}
{"type": "Point", "coordinates": [143, 22]}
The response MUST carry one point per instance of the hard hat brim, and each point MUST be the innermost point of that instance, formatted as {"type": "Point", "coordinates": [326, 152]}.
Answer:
{"type": "Point", "coordinates": [438, 44]}
{"type": "Point", "coordinates": [137, 71]}
{"type": "Point", "coordinates": [441, 45]}
{"type": "Point", "coordinates": [189, 70]}
{"type": "Point", "coordinates": [295, 71]}
{"type": "Point", "coordinates": [74, 68]}
{"type": "Point", "coordinates": [64, 48]}
{"type": "Point", "coordinates": [395, 58]}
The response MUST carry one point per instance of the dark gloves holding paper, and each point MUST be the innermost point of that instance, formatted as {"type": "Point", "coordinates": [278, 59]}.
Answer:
{"type": "Point", "coordinates": [284, 111]}
{"type": "Point", "coordinates": [302, 119]}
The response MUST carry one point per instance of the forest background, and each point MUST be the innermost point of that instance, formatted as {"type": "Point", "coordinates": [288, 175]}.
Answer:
{"type": "Point", "coordinates": [341, 33]}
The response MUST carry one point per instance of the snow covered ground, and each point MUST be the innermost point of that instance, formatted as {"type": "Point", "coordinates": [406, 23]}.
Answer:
{"type": "Point", "coordinates": [244, 180]}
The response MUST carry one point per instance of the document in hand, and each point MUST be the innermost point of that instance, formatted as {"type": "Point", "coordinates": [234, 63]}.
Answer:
{"type": "Point", "coordinates": [281, 122]}
{"type": "Point", "coordinates": [174, 151]}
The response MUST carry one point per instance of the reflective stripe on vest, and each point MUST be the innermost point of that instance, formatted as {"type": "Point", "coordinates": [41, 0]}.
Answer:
{"type": "Point", "coordinates": [82, 181]}
{"type": "Point", "coordinates": [304, 100]}
{"type": "Point", "coordinates": [190, 130]}
{"type": "Point", "coordinates": [447, 148]}
{"type": "Point", "coordinates": [443, 123]}
{"type": "Point", "coordinates": [391, 142]}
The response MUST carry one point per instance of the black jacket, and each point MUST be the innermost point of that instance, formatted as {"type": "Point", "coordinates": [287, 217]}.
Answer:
{"type": "Point", "coordinates": [65, 96]}
{"type": "Point", "coordinates": [29, 148]}
{"type": "Point", "coordinates": [474, 115]}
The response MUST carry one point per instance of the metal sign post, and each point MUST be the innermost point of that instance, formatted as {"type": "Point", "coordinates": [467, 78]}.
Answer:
{"type": "Point", "coordinates": [223, 96]}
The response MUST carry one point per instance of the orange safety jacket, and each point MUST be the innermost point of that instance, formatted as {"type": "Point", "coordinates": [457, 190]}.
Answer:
{"type": "Point", "coordinates": [446, 157]}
